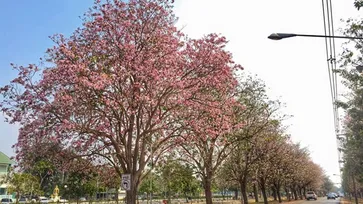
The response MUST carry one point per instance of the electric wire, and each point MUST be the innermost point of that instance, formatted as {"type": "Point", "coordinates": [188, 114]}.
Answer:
{"type": "Point", "coordinates": [327, 56]}
{"type": "Point", "coordinates": [334, 64]}
{"type": "Point", "coordinates": [332, 61]}
{"type": "Point", "coordinates": [327, 10]}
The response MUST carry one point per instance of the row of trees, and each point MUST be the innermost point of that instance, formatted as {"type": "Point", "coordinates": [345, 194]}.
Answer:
{"type": "Point", "coordinates": [261, 156]}
{"type": "Point", "coordinates": [272, 166]}
{"type": "Point", "coordinates": [129, 89]}
{"type": "Point", "coordinates": [352, 138]}
{"type": "Point", "coordinates": [351, 141]}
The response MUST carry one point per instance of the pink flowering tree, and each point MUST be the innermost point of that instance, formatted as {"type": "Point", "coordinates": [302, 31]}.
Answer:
{"type": "Point", "coordinates": [209, 122]}
{"type": "Point", "coordinates": [114, 92]}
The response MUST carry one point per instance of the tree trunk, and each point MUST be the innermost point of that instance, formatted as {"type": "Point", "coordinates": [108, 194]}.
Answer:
{"type": "Point", "coordinates": [300, 192]}
{"type": "Point", "coordinates": [131, 195]}
{"type": "Point", "coordinates": [304, 192]}
{"type": "Point", "coordinates": [255, 192]}
{"type": "Point", "coordinates": [116, 196]}
{"type": "Point", "coordinates": [168, 192]}
{"type": "Point", "coordinates": [263, 189]}
{"type": "Point", "coordinates": [295, 195]}
{"type": "Point", "coordinates": [243, 186]}
{"type": "Point", "coordinates": [274, 193]}
{"type": "Point", "coordinates": [235, 194]}
{"type": "Point", "coordinates": [355, 191]}
{"type": "Point", "coordinates": [17, 197]}
{"type": "Point", "coordinates": [278, 193]}
{"type": "Point", "coordinates": [288, 195]}
{"type": "Point", "coordinates": [207, 190]}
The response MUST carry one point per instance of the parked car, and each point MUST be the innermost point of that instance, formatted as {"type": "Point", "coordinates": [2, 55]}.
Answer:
{"type": "Point", "coordinates": [23, 200]}
{"type": "Point", "coordinates": [310, 195]}
{"type": "Point", "coordinates": [6, 201]}
{"type": "Point", "coordinates": [44, 200]}
{"type": "Point", "coordinates": [82, 199]}
{"type": "Point", "coordinates": [35, 198]}
{"type": "Point", "coordinates": [331, 196]}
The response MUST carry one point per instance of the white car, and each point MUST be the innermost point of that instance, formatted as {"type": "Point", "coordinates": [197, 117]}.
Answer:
{"type": "Point", "coordinates": [23, 200]}
{"type": "Point", "coordinates": [62, 200]}
{"type": "Point", "coordinates": [310, 195]}
{"type": "Point", "coordinates": [6, 201]}
{"type": "Point", "coordinates": [44, 200]}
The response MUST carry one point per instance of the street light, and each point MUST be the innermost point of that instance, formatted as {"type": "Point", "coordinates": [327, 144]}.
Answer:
{"type": "Point", "coordinates": [280, 36]}
{"type": "Point", "coordinates": [65, 188]}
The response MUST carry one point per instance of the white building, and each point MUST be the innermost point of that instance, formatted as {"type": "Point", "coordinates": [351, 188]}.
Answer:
{"type": "Point", "coordinates": [5, 164]}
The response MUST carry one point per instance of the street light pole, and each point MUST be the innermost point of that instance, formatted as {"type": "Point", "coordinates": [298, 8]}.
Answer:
{"type": "Point", "coordinates": [280, 36]}
{"type": "Point", "coordinates": [65, 187]}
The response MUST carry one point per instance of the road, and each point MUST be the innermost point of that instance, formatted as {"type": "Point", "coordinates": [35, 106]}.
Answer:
{"type": "Point", "coordinates": [321, 200]}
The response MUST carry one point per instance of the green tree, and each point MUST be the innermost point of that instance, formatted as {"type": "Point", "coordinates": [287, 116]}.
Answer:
{"type": "Point", "coordinates": [177, 178]}
{"type": "Point", "coordinates": [44, 170]}
{"type": "Point", "coordinates": [327, 185]}
{"type": "Point", "coordinates": [22, 184]}
{"type": "Point", "coordinates": [352, 141]}
{"type": "Point", "coordinates": [257, 112]}
{"type": "Point", "coordinates": [80, 184]}
{"type": "Point", "coordinates": [150, 185]}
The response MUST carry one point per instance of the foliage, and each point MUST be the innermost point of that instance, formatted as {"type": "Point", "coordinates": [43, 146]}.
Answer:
{"type": "Point", "coordinates": [79, 184]}
{"type": "Point", "coordinates": [358, 4]}
{"type": "Point", "coordinates": [250, 141]}
{"type": "Point", "coordinates": [327, 185]}
{"type": "Point", "coordinates": [150, 184]}
{"type": "Point", "coordinates": [177, 179]}
{"type": "Point", "coordinates": [352, 139]}
{"type": "Point", "coordinates": [22, 184]}
{"type": "Point", "coordinates": [114, 90]}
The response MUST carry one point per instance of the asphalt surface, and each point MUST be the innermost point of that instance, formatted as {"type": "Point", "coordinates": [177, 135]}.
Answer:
{"type": "Point", "coordinates": [320, 201]}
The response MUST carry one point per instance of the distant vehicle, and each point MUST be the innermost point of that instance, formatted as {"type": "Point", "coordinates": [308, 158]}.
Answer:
{"type": "Point", "coordinates": [34, 199]}
{"type": "Point", "coordinates": [23, 200]}
{"type": "Point", "coordinates": [44, 200]}
{"type": "Point", "coordinates": [62, 200]}
{"type": "Point", "coordinates": [82, 199]}
{"type": "Point", "coordinates": [6, 201]}
{"type": "Point", "coordinates": [331, 196]}
{"type": "Point", "coordinates": [310, 195]}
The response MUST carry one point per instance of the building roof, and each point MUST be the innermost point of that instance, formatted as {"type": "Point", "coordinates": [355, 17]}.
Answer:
{"type": "Point", "coordinates": [4, 159]}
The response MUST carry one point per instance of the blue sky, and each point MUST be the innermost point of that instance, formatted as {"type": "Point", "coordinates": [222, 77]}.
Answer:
{"type": "Point", "coordinates": [25, 27]}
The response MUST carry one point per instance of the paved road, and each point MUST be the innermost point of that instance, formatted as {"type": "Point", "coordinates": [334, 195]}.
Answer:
{"type": "Point", "coordinates": [321, 200]}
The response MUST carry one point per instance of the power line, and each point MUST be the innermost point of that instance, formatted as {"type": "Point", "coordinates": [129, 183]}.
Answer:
{"type": "Point", "coordinates": [327, 10]}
